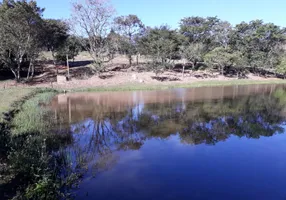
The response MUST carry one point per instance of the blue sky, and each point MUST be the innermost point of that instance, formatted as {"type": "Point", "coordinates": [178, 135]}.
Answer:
{"type": "Point", "coordinates": [158, 12]}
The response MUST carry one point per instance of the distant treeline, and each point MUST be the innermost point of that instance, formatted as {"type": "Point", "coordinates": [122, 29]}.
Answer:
{"type": "Point", "coordinates": [93, 27]}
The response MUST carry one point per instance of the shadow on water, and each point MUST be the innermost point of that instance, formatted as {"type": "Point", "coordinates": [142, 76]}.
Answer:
{"type": "Point", "coordinates": [129, 141]}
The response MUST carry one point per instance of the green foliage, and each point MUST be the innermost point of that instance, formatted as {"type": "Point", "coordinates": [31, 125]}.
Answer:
{"type": "Point", "coordinates": [162, 44]}
{"type": "Point", "coordinates": [129, 27]}
{"type": "Point", "coordinates": [56, 38]}
{"type": "Point", "coordinates": [70, 48]}
{"type": "Point", "coordinates": [207, 31]}
{"type": "Point", "coordinates": [193, 52]}
{"type": "Point", "coordinates": [223, 57]}
{"type": "Point", "coordinates": [281, 68]}
{"type": "Point", "coordinates": [20, 33]}
{"type": "Point", "coordinates": [260, 43]}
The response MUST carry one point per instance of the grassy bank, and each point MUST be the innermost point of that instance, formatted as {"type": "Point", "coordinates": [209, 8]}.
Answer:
{"type": "Point", "coordinates": [10, 97]}
{"type": "Point", "coordinates": [27, 168]}
{"type": "Point", "coordinates": [209, 83]}
{"type": "Point", "coordinates": [33, 118]}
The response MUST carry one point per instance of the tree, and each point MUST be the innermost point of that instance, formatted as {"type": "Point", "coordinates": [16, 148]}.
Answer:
{"type": "Point", "coordinates": [56, 34]}
{"type": "Point", "coordinates": [199, 29]}
{"type": "Point", "coordinates": [93, 19]}
{"type": "Point", "coordinates": [20, 22]}
{"type": "Point", "coordinates": [259, 43]}
{"type": "Point", "coordinates": [222, 31]}
{"type": "Point", "coordinates": [129, 26]}
{"type": "Point", "coordinates": [162, 44]}
{"type": "Point", "coordinates": [192, 52]}
{"type": "Point", "coordinates": [114, 43]}
{"type": "Point", "coordinates": [69, 50]}
{"type": "Point", "coordinates": [281, 67]}
{"type": "Point", "coordinates": [223, 57]}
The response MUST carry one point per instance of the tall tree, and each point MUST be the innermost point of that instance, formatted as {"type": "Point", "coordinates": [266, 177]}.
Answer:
{"type": "Point", "coordinates": [162, 44]}
{"type": "Point", "coordinates": [192, 52]}
{"type": "Point", "coordinates": [129, 26]}
{"type": "Point", "coordinates": [221, 34]}
{"type": "Point", "coordinates": [199, 29]}
{"type": "Point", "coordinates": [56, 34]}
{"type": "Point", "coordinates": [224, 57]}
{"type": "Point", "coordinates": [259, 43]}
{"type": "Point", "coordinates": [93, 19]}
{"type": "Point", "coordinates": [20, 22]}
{"type": "Point", "coordinates": [69, 50]}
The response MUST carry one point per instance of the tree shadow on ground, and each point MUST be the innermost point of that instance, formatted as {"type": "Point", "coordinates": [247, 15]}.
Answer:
{"type": "Point", "coordinates": [8, 75]}
{"type": "Point", "coordinates": [80, 63]}
{"type": "Point", "coordinates": [106, 76]}
{"type": "Point", "coordinates": [165, 78]}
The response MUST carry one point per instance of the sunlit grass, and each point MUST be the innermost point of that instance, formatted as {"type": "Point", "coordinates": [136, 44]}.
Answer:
{"type": "Point", "coordinates": [32, 117]}
{"type": "Point", "coordinates": [9, 96]}
{"type": "Point", "coordinates": [174, 85]}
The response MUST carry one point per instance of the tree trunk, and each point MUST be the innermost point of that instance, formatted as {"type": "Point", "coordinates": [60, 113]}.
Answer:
{"type": "Point", "coordinates": [222, 70]}
{"type": "Point", "coordinates": [18, 71]}
{"type": "Point", "coordinates": [29, 69]}
{"type": "Point", "coordinates": [137, 59]}
{"type": "Point", "coordinates": [130, 60]}
{"type": "Point", "coordinates": [33, 70]}
{"type": "Point", "coordinates": [184, 64]}
{"type": "Point", "coordinates": [14, 73]}
{"type": "Point", "coordinates": [54, 62]}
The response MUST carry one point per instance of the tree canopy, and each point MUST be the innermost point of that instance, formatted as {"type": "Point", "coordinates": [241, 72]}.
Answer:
{"type": "Point", "coordinates": [94, 27]}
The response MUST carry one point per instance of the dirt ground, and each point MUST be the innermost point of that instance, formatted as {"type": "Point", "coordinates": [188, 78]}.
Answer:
{"type": "Point", "coordinates": [126, 78]}
{"type": "Point", "coordinates": [118, 74]}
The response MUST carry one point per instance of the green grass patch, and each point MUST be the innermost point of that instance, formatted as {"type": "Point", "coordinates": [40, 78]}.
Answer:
{"type": "Point", "coordinates": [172, 86]}
{"type": "Point", "coordinates": [33, 116]}
{"type": "Point", "coordinates": [10, 96]}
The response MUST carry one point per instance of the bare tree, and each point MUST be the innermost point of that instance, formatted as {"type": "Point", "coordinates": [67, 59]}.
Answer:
{"type": "Point", "coordinates": [92, 19]}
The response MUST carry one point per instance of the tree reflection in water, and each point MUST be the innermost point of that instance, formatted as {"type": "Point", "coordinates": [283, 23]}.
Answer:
{"type": "Point", "coordinates": [103, 126]}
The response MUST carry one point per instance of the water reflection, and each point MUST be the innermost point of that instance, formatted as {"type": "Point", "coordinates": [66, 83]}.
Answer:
{"type": "Point", "coordinates": [109, 126]}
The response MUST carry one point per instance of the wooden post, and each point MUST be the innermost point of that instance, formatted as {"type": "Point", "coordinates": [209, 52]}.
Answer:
{"type": "Point", "coordinates": [184, 63]}
{"type": "Point", "coordinates": [68, 66]}
{"type": "Point", "coordinates": [69, 107]}
{"type": "Point", "coordinates": [137, 59]}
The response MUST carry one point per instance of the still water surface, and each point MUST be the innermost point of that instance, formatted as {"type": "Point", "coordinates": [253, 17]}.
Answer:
{"type": "Point", "coordinates": [200, 143]}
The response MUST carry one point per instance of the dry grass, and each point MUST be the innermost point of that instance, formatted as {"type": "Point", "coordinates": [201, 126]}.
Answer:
{"type": "Point", "coordinates": [84, 56]}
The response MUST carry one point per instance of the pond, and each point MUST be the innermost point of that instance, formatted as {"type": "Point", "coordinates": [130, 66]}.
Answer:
{"type": "Point", "coordinates": [200, 143]}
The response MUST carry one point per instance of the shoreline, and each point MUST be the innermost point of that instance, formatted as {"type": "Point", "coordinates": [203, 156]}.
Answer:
{"type": "Point", "coordinates": [18, 93]}
{"type": "Point", "coordinates": [206, 83]}
{"type": "Point", "coordinates": [82, 85]}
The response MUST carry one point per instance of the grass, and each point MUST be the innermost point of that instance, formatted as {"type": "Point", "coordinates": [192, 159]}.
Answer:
{"type": "Point", "coordinates": [210, 83]}
{"type": "Point", "coordinates": [10, 96]}
{"type": "Point", "coordinates": [33, 118]}
{"type": "Point", "coordinates": [25, 103]}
